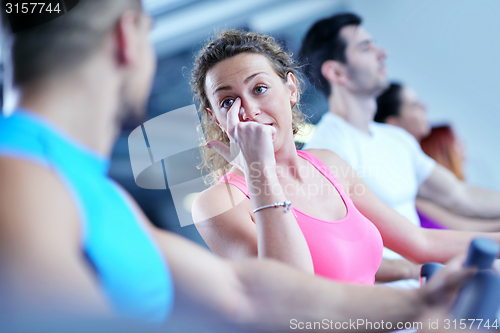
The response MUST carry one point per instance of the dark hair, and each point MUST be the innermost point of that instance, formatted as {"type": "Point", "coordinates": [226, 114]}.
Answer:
{"type": "Point", "coordinates": [322, 43]}
{"type": "Point", "coordinates": [64, 42]}
{"type": "Point", "coordinates": [225, 45]}
{"type": "Point", "coordinates": [389, 103]}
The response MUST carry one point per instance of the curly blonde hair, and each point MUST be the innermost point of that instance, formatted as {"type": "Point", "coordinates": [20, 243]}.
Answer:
{"type": "Point", "coordinates": [224, 45]}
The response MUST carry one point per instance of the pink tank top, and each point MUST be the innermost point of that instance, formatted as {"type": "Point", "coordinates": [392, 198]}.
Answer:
{"type": "Point", "coordinates": [347, 250]}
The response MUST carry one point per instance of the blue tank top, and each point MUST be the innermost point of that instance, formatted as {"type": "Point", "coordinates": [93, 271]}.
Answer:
{"type": "Point", "coordinates": [130, 268]}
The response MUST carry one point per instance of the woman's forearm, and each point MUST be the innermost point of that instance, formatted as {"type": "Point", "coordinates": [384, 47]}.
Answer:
{"type": "Point", "coordinates": [278, 233]}
{"type": "Point", "coordinates": [417, 244]}
{"type": "Point", "coordinates": [397, 269]}
{"type": "Point", "coordinates": [443, 245]}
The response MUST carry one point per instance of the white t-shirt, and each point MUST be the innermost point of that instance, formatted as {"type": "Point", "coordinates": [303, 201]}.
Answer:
{"type": "Point", "coordinates": [389, 161]}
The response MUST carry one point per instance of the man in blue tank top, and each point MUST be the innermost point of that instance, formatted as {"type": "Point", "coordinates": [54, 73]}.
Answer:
{"type": "Point", "coordinates": [73, 242]}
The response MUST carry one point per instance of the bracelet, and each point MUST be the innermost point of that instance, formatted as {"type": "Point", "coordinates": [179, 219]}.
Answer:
{"type": "Point", "coordinates": [287, 204]}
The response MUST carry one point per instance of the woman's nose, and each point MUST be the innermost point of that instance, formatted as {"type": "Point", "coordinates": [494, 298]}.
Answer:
{"type": "Point", "coordinates": [248, 112]}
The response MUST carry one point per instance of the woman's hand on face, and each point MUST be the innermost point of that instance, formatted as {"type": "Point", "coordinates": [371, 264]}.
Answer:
{"type": "Point", "coordinates": [251, 143]}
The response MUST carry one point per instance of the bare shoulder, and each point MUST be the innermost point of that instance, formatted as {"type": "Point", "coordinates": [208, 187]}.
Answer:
{"type": "Point", "coordinates": [40, 247]}
{"type": "Point", "coordinates": [216, 200]}
{"type": "Point", "coordinates": [223, 217]}
{"type": "Point", "coordinates": [340, 168]}
{"type": "Point", "coordinates": [33, 198]}
{"type": "Point", "coordinates": [328, 157]}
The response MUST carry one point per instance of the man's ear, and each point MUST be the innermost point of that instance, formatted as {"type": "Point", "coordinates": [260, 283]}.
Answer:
{"type": "Point", "coordinates": [127, 37]}
{"type": "Point", "coordinates": [292, 86]}
{"type": "Point", "coordinates": [334, 72]}
{"type": "Point", "coordinates": [392, 120]}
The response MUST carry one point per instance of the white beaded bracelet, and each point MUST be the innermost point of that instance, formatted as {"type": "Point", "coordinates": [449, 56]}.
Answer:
{"type": "Point", "coordinates": [287, 204]}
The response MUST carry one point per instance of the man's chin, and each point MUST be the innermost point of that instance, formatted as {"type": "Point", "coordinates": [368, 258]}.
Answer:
{"type": "Point", "coordinates": [381, 87]}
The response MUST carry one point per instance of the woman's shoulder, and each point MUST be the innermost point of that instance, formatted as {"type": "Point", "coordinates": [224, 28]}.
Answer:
{"type": "Point", "coordinates": [339, 168]}
{"type": "Point", "coordinates": [216, 200]}
{"type": "Point", "coordinates": [327, 157]}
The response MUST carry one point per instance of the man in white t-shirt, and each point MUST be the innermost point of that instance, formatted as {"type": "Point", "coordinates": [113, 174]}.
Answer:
{"type": "Point", "coordinates": [341, 59]}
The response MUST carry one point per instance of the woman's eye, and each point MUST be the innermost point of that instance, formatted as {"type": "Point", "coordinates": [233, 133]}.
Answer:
{"type": "Point", "coordinates": [260, 89]}
{"type": "Point", "coordinates": [227, 103]}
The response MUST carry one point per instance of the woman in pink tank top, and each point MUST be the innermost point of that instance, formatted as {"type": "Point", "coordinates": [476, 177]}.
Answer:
{"type": "Point", "coordinates": [304, 208]}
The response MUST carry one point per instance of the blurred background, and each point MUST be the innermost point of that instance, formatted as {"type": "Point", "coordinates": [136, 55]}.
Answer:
{"type": "Point", "coordinates": [447, 50]}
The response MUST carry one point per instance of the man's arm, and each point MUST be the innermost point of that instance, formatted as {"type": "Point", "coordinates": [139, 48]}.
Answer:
{"type": "Point", "coordinates": [257, 294]}
{"type": "Point", "coordinates": [457, 196]}
{"type": "Point", "coordinates": [268, 295]}
{"type": "Point", "coordinates": [41, 263]}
